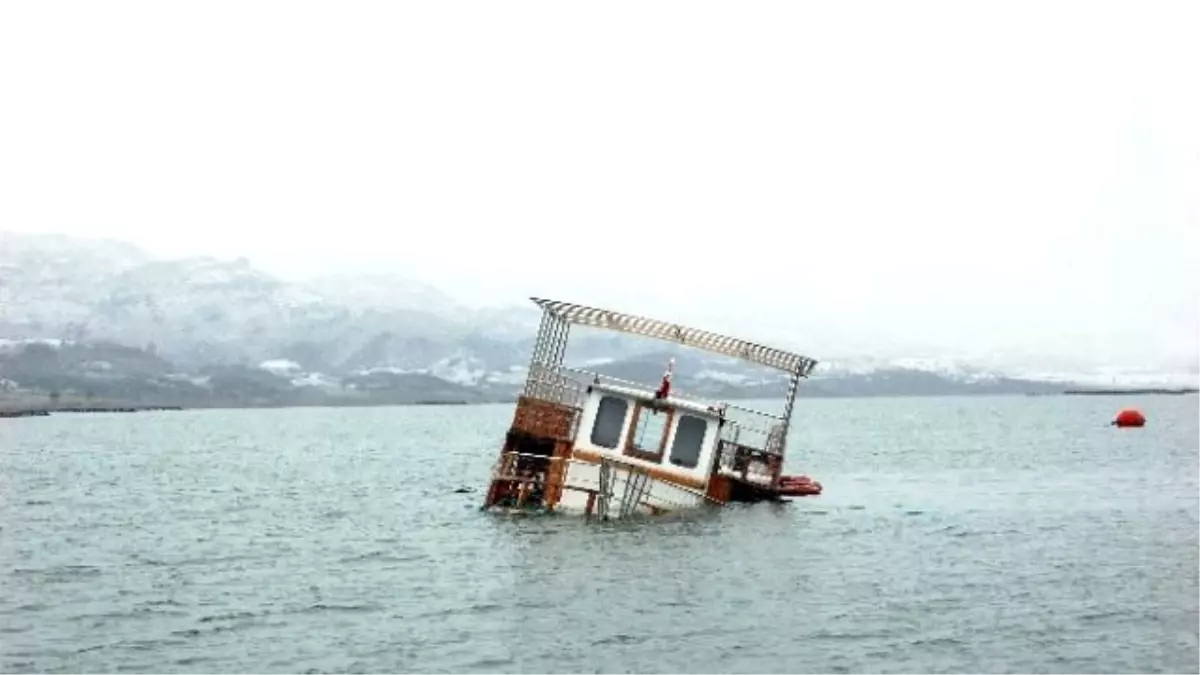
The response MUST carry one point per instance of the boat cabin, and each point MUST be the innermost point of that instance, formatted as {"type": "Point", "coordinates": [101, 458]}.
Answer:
{"type": "Point", "coordinates": [678, 438]}
{"type": "Point", "coordinates": [589, 443]}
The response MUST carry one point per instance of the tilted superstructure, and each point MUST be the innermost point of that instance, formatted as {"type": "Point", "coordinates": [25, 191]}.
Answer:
{"type": "Point", "coordinates": [610, 448]}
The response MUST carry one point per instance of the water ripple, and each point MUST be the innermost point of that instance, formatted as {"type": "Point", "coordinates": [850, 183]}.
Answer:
{"type": "Point", "coordinates": [950, 539]}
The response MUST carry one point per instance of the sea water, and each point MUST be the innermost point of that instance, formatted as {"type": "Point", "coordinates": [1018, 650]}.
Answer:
{"type": "Point", "coordinates": [1007, 534]}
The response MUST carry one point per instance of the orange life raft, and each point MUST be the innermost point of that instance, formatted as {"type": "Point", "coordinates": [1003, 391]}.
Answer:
{"type": "Point", "coordinates": [798, 486]}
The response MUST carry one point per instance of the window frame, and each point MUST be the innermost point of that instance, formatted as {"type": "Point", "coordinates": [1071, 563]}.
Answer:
{"type": "Point", "coordinates": [596, 420]}
{"type": "Point", "coordinates": [650, 456]}
{"type": "Point", "coordinates": [699, 447]}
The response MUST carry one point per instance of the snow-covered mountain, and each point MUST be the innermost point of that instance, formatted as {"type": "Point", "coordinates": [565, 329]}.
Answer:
{"type": "Point", "coordinates": [48, 282]}
{"type": "Point", "coordinates": [949, 368]}
{"type": "Point", "coordinates": [378, 293]}
{"type": "Point", "coordinates": [203, 310]}
{"type": "Point", "coordinates": [212, 323]}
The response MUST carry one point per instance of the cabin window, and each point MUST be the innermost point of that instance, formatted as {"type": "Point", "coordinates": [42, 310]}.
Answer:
{"type": "Point", "coordinates": [648, 434]}
{"type": "Point", "coordinates": [689, 441]}
{"type": "Point", "coordinates": [610, 419]}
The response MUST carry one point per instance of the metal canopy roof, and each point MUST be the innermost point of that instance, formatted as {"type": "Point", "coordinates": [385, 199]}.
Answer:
{"type": "Point", "coordinates": [789, 362]}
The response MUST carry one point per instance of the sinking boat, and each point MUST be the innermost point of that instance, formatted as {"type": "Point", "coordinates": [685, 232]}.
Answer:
{"type": "Point", "coordinates": [585, 443]}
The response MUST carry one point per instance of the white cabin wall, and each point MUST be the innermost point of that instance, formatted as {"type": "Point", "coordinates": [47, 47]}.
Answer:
{"type": "Point", "coordinates": [673, 497]}
{"type": "Point", "coordinates": [708, 445]}
{"type": "Point", "coordinates": [573, 500]}
{"type": "Point", "coordinates": [660, 494]}
{"type": "Point", "coordinates": [587, 418]}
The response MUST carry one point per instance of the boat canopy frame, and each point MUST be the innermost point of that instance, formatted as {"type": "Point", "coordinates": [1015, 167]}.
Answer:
{"type": "Point", "coordinates": [545, 379]}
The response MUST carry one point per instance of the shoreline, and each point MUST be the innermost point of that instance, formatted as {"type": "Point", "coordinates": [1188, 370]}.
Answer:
{"type": "Point", "coordinates": [1147, 391]}
{"type": "Point", "coordinates": [45, 410]}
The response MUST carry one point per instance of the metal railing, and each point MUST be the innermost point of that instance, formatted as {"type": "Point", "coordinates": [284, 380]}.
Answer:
{"type": "Point", "coordinates": [549, 384]}
{"type": "Point", "coordinates": [723, 406]}
{"type": "Point", "coordinates": [554, 333]}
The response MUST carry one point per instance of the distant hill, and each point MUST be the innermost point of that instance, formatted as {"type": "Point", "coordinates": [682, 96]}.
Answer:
{"type": "Point", "coordinates": [103, 319]}
{"type": "Point", "coordinates": [31, 372]}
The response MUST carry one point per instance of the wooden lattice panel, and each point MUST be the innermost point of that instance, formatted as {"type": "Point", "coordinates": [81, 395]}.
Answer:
{"type": "Point", "coordinates": [581, 315]}
{"type": "Point", "coordinates": [556, 476]}
{"type": "Point", "coordinates": [543, 418]}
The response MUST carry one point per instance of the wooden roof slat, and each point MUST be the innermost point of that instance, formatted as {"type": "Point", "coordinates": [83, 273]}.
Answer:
{"type": "Point", "coordinates": [771, 357]}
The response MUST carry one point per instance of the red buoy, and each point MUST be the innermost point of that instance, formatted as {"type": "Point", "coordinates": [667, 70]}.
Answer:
{"type": "Point", "coordinates": [1129, 418]}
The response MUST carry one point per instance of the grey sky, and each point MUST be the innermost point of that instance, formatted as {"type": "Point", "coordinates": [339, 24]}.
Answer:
{"type": "Point", "coordinates": [933, 178]}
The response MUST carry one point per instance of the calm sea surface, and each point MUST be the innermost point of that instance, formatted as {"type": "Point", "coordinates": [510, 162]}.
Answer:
{"type": "Point", "coordinates": [1017, 534]}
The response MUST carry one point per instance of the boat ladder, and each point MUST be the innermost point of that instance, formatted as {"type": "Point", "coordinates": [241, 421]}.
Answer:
{"type": "Point", "coordinates": [637, 485]}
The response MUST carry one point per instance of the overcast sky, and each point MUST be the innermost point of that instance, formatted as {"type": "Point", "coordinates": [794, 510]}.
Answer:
{"type": "Point", "coordinates": [1015, 178]}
